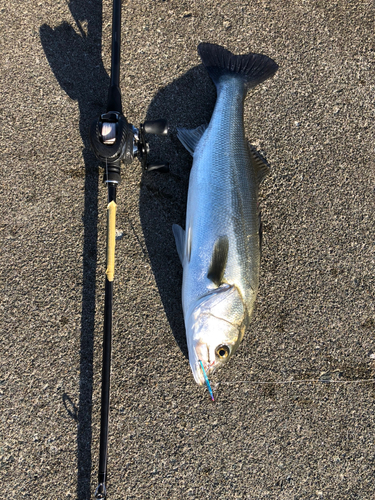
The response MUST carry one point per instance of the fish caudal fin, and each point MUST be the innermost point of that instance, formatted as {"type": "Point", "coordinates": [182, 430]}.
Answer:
{"type": "Point", "coordinates": [220, 62]}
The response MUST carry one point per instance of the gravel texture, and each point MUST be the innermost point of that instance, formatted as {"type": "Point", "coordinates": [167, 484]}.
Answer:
{"type": "Point", "coordinates": [294, 412]}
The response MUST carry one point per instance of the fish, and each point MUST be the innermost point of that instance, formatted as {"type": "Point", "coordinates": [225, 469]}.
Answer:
{"type": "Point", "coordinates": [220, 247]}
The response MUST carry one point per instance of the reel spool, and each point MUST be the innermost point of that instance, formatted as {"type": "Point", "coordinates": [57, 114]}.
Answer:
{"type": "Point", "coordinates": [115, 141]}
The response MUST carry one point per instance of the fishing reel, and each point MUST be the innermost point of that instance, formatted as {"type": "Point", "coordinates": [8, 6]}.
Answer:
{"type": "Point", "coordinates": [114, 140]}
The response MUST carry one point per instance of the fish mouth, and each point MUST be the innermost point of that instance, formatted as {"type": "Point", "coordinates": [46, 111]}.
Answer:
{"type": "Point", "coordinates": [201, 356]}
{"type": "Point", "coordinates": [196, 368]}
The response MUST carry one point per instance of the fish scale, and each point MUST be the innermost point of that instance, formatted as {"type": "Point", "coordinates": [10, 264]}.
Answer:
{"type": "Point", "coordinates": [220, 249]}
{"type": "Point", "coordinates": [222, 199]}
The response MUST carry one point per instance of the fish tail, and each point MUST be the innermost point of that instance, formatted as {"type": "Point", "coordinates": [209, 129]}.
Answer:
{"type": "Point", "coordinates": [251, 68]}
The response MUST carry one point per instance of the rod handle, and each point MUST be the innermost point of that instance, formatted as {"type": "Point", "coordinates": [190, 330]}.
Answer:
{"type": "Point", "coordinates": [111, 240]}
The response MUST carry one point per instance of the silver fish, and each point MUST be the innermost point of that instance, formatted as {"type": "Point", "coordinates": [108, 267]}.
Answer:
{"type": "Point", "coordinates": [220, 248]}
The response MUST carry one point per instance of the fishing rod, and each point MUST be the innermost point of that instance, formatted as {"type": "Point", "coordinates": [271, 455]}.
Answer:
{"type": "Point", "coordinates": [115, 141]}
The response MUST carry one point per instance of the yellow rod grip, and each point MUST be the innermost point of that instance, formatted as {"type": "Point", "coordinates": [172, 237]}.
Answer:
{"type": "Point", "coordinates": [111, 240]}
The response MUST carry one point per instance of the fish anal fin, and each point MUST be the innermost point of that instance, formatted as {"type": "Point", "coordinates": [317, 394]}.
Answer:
{"type": "Point", "coordinates": [190, 137]}
{"type": "Point", "coordinates": [179, 236]}
{"type": "Point", "coordinates": [259, 163]}
{"type": "Point", "coordinates": [218, 260]}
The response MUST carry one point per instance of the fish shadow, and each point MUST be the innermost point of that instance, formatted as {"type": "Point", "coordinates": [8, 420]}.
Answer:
{"type": "Point", "coordinates": [186, 102]}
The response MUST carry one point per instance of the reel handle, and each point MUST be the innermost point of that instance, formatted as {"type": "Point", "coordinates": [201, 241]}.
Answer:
{"type": "Point", "coordinates": [157, 127]}
{"type": "Point", "coordinates": [163, 168]}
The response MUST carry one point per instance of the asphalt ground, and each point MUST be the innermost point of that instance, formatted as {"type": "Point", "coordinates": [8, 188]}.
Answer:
{"type": "Point", "coordinates": [294, 412]}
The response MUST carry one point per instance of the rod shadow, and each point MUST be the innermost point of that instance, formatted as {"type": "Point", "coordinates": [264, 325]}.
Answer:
{"type": "Point", "coordinates": [74, 55]}
{"type": "Point", "coordinates": [186, 102]}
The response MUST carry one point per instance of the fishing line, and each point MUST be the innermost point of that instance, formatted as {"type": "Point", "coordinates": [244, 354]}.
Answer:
{"type": "Point", "coordinates": [303, 381]}
{"type": "Point", "coordinates": [215, 385]}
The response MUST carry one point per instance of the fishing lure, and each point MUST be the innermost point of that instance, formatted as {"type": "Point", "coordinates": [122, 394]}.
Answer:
{"type": "Point", "coordinates": [207, 381]}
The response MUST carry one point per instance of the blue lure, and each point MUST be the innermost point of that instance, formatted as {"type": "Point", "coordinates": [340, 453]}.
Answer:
{"type": "Point", "coordinates": [207, 381]}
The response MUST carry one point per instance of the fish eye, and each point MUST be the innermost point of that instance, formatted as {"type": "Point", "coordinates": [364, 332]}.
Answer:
{"type": "Point", "coordinates": [222, 351]}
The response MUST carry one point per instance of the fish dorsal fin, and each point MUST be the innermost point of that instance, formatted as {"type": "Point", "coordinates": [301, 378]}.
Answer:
{"type": "Point", "coordinates": [190, 137]}
{"type": "Point", "coordinates": [260, 165]}
{"type": "Point", "coordinates": [179, 236]}
{"type": "Point", "coordinates": [218, 260]}
{"type": "Point", "coordinates": [260, 233]}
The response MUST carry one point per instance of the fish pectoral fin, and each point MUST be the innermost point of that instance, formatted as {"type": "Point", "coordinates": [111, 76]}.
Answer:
{"type": "Point", "coordinates": [190, 137]}
{"type": "Point", "coordinates": [218, 260]}
{"type": "Point", "coordinates": [259, 163]}
{"type": "Point", "coordinates": [179, 236]}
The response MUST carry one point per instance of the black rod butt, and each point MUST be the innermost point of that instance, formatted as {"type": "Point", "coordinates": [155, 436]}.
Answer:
{"type": "Point", "coordinates": [114, 99]}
